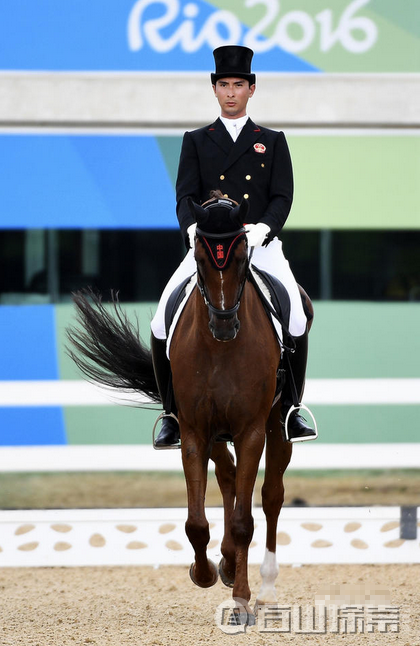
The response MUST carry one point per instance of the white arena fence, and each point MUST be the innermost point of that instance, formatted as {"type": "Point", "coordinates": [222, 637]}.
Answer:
{"type": "Point", "coordinates": [310, 455]}
{"type": "Point", "coordinates": [154, 537]}
{"type": "Point", "coordinates": [333, 392]}
{"type": "Point", "coordinates": [142, 457]}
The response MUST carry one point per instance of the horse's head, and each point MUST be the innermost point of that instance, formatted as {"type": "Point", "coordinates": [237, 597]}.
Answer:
{"type": "Point", "coordinates": [221, 253]}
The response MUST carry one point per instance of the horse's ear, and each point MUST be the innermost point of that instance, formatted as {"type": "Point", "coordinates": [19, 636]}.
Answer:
{"type": "Point", "coordinates": [240, 212]}
{"type": "Point", "coordinates": [199, 214]}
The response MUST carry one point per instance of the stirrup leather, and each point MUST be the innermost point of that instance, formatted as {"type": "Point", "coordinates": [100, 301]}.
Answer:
{"type": "Point", "coordinates": [164, 448]}
{"type": "Point", "coordinates": [291, 410]}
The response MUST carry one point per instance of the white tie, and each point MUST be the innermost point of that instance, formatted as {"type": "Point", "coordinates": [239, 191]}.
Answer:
{"type": "Point", "coordinates": [235, 131]}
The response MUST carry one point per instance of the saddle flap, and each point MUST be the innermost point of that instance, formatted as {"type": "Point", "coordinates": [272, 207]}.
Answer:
{"type": "Point", "coordinates": [278, 297]}
{"type": "Point", "coordinates": [175, 300]}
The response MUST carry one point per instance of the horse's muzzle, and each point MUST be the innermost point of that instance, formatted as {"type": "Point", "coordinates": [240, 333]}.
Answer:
{"type": "Point", "coordinates": [224, 329]}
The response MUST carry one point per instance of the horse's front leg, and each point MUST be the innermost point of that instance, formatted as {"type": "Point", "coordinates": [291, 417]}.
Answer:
{"type": "Point", "coordinates": [248, 447]}
{"type": "Point", "coordinates": [226, 474]}
{"type": "Point", "coordinates": [195, 458]}
{"type": "Point", "coordinates": [278, 454]}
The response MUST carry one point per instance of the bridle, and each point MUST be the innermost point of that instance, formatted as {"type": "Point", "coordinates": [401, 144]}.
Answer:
{"type": "Point", "coordinates": [216, 311]}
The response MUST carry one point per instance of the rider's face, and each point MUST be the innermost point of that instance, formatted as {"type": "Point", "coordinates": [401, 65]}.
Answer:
{"type": "Point", "coordinates": [233, 95]}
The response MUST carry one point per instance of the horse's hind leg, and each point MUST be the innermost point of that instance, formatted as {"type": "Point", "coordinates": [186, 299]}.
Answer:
{"type": "Point", "coordinates": [225, 474]}
{"type": "Point", "coordinates": [278, 454]}
{"type": "Point", "coordinates": [195, 458]}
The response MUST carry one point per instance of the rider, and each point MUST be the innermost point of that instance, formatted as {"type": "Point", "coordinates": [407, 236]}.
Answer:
{"type": "Point", "coordinates": [242, 160]}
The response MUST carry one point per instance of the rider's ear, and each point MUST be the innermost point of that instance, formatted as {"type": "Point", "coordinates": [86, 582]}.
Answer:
{"type": "Point", "coordinates": [199, 214]}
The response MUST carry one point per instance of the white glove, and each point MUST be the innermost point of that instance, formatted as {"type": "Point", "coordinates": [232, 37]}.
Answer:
{"type": "Point", "coordinates": [257, 233]}
{"type": "Point", "coordinates": [191, 234]}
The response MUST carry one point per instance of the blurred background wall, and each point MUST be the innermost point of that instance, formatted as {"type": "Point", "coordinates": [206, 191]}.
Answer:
{"type": "Point", "coordinates": [94, 99]}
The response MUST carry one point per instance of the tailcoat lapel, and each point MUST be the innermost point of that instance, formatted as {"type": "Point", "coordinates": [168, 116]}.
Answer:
{"type": "Point", "coordinates": [249, 135]}
{"type": "Point", "coordinates": [218, 133]}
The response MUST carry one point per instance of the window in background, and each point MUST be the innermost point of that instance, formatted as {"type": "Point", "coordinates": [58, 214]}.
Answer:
{"type": "Point", "coordinates": [44, 266]}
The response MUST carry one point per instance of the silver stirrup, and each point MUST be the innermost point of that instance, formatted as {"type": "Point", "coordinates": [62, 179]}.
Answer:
{"type": "Point", "coordinates": [286, 424]}
{"type": "Point", "coordinates": [164, 448]}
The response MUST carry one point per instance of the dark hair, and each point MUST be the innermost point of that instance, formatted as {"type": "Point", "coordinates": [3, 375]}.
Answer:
{"type": "Point", "coordinates": [239, 77]}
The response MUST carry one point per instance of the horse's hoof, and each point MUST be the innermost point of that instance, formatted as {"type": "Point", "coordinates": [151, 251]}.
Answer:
{"type": "Point", "coordinates": [207, 584]}
{"type": "Point", "coordinates": [250, 619]}
{"type": "Point", "coordinates": [227, 581]}
{"type": "Point", "coordinates": [241, 618]}
{"type": "Point", "coordinates": [258, 606]}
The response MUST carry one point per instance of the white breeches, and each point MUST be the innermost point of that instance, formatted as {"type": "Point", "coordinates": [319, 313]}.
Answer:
{"type": "Point", "coordinates": [269, 259]}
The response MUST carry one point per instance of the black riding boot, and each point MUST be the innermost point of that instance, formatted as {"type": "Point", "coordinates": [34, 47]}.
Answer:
{"type": "Point", "coordinates": [169, 432]}
{"type": "Point", "coordinates": [297, 426]}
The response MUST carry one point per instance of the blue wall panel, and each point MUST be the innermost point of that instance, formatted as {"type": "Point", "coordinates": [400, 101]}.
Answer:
{"type": "Point", "coordinates": [28, 347]}
{"type": "Point", "coordinates": [96, 35]}
{"type": "Point", "coordinates": [31, 426]}
{"type": "Point", "coordinates": [86, 181]}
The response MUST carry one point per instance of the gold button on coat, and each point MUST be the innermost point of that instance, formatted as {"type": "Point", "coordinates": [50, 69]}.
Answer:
{"type": "Point", "coordinates": [222, 177]}
{"type": "Point", "coordinates": [248, 177]}
{"type": "Point", "coordinates": [246, 196]}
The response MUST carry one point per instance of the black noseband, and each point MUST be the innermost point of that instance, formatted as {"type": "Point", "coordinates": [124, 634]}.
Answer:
{"type": "Point", "coordinates": [223, 315]}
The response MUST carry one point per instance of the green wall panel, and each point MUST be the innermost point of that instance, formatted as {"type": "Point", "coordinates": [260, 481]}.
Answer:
{"type": "Point", "coordinates": [355, 182]}
{"type": "Point", "coordinates": [364, 340]}
{"type": "Point", "coordinates": [348, 340]}
{"type": "Point", "coordinates": [66, 316]}
{"type": "Point", "coordinates": [336, 424]}
{"type": "Point", "coordinates": [367, 424]}
{"type": "Point", "coordinates": [396, 47]}
{"type": "Point", "coordinates": [109, 424]}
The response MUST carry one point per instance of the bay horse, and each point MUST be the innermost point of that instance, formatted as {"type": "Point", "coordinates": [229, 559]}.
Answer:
{"type": "Point", "coordinates": [224, 358]}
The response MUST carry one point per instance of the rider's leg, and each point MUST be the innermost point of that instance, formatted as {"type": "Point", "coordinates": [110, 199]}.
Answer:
{"type": "Point", "coordinates": [297, 427]}
{"type": "Point", "coordinates": [169, 432]}
{"type": "Point", "coordinates": [187, 268]}
{"type": "Point", "coordinates": [272, 260]}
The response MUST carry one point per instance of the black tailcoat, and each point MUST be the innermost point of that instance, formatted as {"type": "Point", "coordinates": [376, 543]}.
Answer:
{"type": "Point", "coordinates": [261, 173]}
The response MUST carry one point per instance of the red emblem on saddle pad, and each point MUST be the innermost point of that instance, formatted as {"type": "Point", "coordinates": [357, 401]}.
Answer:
{"type": "Point", "coordinates": [259, 148]}
{"type": "Point", "coordinates": [220, 252]}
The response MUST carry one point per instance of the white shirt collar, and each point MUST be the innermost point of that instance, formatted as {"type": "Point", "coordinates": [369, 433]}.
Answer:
{"type": "Point", "coordinates": [234, 126]}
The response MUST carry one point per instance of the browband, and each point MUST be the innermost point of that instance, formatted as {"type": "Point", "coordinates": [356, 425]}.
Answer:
{"type": "Point", "coordinates": [229, 234]}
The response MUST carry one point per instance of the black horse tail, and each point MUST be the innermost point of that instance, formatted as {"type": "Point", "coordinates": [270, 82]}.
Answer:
{"type": "Point", "coordinates": [108, 349]}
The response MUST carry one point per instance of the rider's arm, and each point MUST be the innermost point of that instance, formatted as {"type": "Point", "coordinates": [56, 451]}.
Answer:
{"type": "Point", "coordinates": [280, 188]}
{"type": "Point", "coordinates": [188, 184]}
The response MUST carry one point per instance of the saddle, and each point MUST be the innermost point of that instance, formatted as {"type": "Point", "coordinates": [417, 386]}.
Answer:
{"type": "Point", "coordinates": [275, 300]}
{"type": "Point", "coordinates": [272, 293]}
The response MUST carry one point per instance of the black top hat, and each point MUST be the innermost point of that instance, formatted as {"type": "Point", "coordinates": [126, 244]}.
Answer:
{"type": "Point", "coordinates": [233, 61]}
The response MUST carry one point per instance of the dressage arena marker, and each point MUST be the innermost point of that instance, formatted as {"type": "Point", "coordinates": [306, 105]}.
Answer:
{"type": "Point", "coordinates": [154, 537]}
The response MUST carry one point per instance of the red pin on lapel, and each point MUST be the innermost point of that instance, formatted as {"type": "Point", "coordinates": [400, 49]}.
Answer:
{"type": "Point", "coordinates": [259, 148]}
